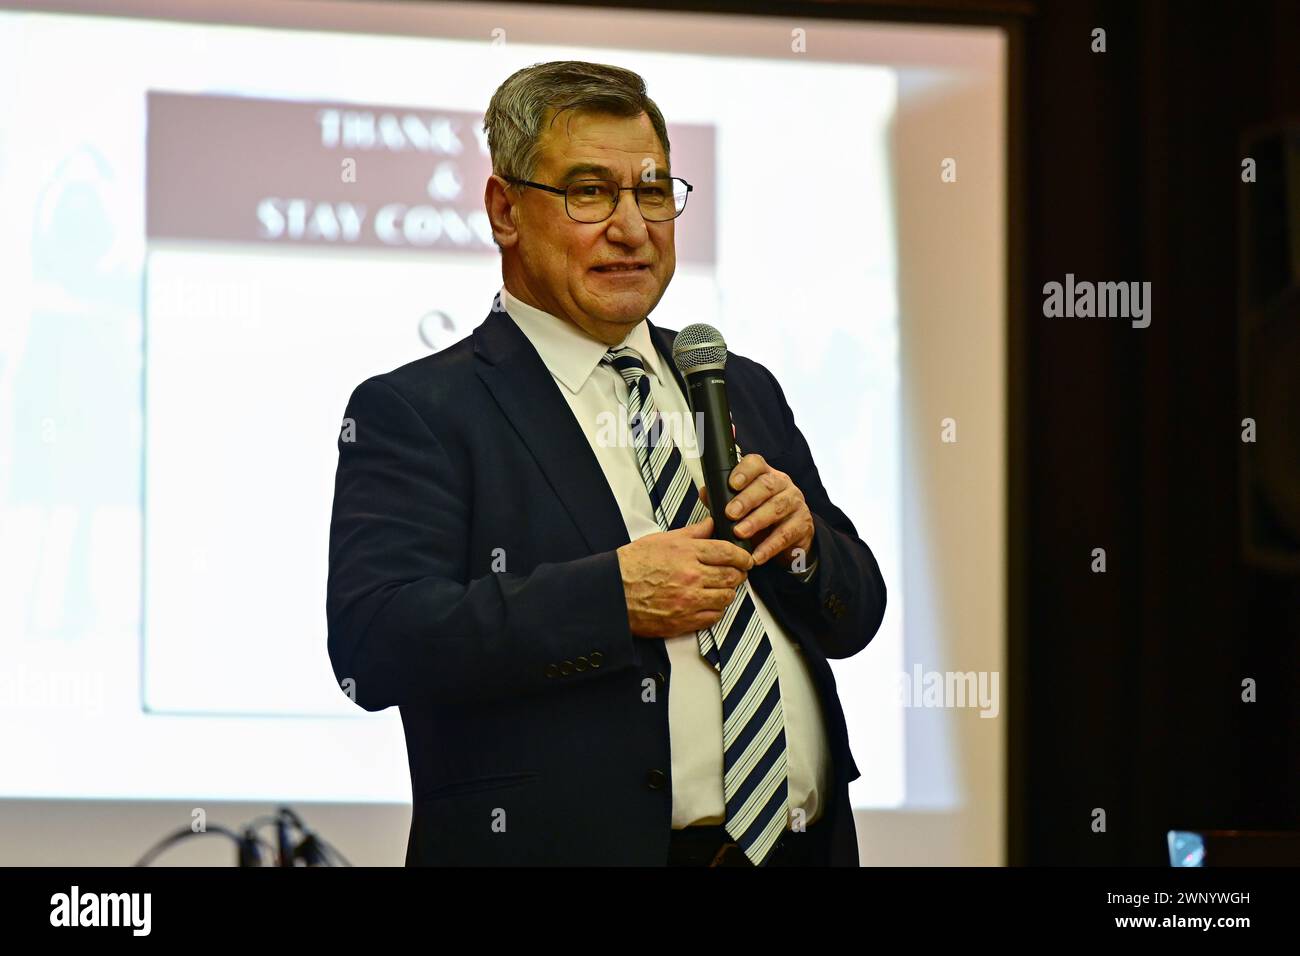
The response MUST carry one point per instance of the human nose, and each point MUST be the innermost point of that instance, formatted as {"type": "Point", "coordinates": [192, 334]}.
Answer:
{"type": "Point", "coordinates": [626, 224]}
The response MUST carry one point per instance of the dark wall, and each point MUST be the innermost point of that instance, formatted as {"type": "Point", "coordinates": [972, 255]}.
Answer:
{"type": "Point", "coordinates": [1131, 437]}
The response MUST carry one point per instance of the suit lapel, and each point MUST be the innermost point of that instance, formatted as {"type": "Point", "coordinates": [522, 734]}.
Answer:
{"type": "Point", "coordinates": [527, 394]}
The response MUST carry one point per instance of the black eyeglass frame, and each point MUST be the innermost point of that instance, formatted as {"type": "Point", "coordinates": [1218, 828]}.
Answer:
{"type": "Point", "coordinates": [564, 191]}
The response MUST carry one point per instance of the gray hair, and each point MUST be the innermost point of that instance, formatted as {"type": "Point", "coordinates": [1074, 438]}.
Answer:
{"type": "Point", "coordinates": [518, 109]}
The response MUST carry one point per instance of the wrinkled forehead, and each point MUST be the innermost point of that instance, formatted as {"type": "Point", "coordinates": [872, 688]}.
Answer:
{"type": "Point", "coordinates": [582, 144]}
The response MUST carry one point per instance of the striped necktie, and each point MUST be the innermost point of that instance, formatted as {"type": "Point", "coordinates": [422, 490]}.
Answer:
{"type": "Point", "coordinates": [753, 723]}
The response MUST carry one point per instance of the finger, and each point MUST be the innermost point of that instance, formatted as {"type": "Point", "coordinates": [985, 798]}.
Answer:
{"type": "Point", "coordinates": [717, 599]}
{"type": "Point", "coordinates": [701, 529]}
{"type": "Point", "coordinates": [772, 511]}
{"type": "Point", "coordinates": [759, 490]}
{"type": "Point", "coordinates": [723, 553]}
{"type": "Point", "coordinates": [721, 576]}
{"type": "Point", "coordinates": [783, 536]}
{"type": "Point", "coordinates": [749, 468]}
{"type": "Point", "coordinates": [702, 619]}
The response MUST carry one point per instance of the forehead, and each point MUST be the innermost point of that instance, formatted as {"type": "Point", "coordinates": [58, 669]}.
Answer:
{"type": "Point", "coordinates": [577, 138]}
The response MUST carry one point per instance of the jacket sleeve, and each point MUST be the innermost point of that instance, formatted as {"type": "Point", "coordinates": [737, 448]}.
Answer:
{"type": "Point", "coordinates": [405, 623]}
{"type": "Point", "coordinates": [843, 602]}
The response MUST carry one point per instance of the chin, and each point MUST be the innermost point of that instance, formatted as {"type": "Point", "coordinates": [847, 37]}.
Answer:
{"type": "Point", "coordinates": [624, 310]}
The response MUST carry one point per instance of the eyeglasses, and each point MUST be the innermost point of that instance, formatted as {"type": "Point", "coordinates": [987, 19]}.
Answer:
{"type": "Point", "coordinates": [594, 200]}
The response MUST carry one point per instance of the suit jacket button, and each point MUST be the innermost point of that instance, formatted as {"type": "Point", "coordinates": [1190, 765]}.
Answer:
{"type": "Point", "coordinates": [656, 779]}
{"type": "Point", "coordinates": [552, 670]}
{"type": "Point", "coordinates": [566, 668]}
{"type": "Point", "coordinates": [596, 657]}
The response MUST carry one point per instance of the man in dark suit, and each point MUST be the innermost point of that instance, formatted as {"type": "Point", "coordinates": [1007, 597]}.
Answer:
{"type": "Point", "coordinates": [584, 675]}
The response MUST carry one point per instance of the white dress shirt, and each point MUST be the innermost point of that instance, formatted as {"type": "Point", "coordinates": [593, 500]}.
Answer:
{"type": "Point", "coordinates": [594, 392]}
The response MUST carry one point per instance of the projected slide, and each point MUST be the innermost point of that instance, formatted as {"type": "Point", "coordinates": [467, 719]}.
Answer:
{"type": "Point", "coordinates": [350, 239]}
{"type": "Point", "coordinates": [204, 258]}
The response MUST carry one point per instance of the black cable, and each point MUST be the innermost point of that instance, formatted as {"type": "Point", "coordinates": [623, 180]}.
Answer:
{"type": "Point", "coordinates": [182, 834]}
{"type": "Point", "coordinates": [343, 861]}
{"type": "Point", "coordinates": [311, 847]}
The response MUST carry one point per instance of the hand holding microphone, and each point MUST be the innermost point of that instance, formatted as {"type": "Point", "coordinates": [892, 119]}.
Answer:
{"type": "Point", "coordinates": [679, 581]}
{"type": "Point", "coordinates": [768, 514]}
{"type": "Point", "coordinates": [762, 510]}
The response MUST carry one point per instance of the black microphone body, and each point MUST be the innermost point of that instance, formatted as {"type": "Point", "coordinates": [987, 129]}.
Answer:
{"type": "Point", "coordinates": [707, 393]}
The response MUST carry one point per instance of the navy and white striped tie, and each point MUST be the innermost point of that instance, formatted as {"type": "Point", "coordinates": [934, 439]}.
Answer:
{"type": "Point", "coordinates": [753, 724]}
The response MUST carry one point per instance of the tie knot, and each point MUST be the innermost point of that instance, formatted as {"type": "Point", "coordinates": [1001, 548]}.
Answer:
{"type": "Point", "coordinates": [625, 360]}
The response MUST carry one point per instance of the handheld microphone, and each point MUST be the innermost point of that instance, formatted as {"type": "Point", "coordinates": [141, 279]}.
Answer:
{"type": "Point", "coordinates": [701, 356]}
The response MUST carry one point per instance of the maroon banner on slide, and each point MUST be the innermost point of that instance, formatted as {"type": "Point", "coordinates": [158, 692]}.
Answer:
{"type": "Point", "coordinates": [289, 172]}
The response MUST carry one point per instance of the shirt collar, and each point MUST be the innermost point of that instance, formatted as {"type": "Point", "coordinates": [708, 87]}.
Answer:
{"type": "Point", "coordinates": [569, 353]}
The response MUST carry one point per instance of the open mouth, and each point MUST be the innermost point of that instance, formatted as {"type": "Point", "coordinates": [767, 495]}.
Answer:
{"type": "Point", "coordinates": [620, 268]}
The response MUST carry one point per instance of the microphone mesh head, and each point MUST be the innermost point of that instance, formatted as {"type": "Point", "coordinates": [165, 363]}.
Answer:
{"type": "Point", "coordinates": [697, 346]}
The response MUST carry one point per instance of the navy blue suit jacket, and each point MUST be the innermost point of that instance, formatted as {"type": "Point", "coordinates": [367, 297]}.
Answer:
{"type": "Point", "coordinates": [532, 733]}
